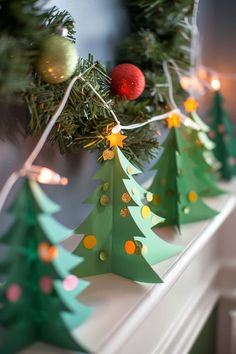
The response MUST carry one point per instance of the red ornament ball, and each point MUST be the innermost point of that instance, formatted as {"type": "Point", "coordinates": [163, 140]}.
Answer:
{"type": "Point", "coordinates": [128, 81]}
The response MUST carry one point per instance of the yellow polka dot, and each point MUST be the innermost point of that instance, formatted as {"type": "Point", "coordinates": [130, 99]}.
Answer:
{"type": "Point", "coordinates": [186, 210]}
{"type": "Point", "coordinates": [145, 212]}
{"type": "Point", "coordinates": [192, 196]}
{"type": "Point", "coordinates": [108, 155]}
{"type": "Point", "coordinates": [130, 170]}
{"type": "Point", "coordinates": [130, 247]}
{"type": "Point", "coordinates": [135, 191]}
{"type": "Point", "coordinates": [155, 220]}
{"type": "Point", "coordinates": [89, 241]}
{"type": "Point", "coordinates": [103, 255]}
{"type": "Point", "coordinates": [149, 196]}
{"type": "Point", "coordinates": [144, 250]}
{"type": "Point", "coordinates": [104, 200]}
{"type": "Point", "coordinates": [106, 186]}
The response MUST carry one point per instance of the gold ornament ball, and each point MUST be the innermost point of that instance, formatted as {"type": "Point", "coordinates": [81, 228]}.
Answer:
{"type": "Point", "coordinates": [57, 60]}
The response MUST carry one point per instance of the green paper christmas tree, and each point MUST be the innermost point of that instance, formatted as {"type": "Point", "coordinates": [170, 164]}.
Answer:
{"type": "Point", "coordinates": [38, 295]}
{"type": "Point", "coordinates": [201, 151]}
{"type": "Point", "coordinates": [202, 162]}
{"type": "Point", "coordinates": [222, 133]}
{"type": "Point", "coordinates": [174, 186]}
{"type": "Point", "coordinates": [118, 236]}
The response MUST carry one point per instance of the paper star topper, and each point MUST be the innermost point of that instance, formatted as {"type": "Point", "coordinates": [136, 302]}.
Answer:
{"type": "Point", "coordinates": [116, 139]}
{"type": "Point", "coordinates": [190, 105]}
{"type": "Point", "coordinates": [173, 121]}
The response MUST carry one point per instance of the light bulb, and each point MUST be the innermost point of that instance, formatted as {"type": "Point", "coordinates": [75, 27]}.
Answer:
{"type": "Point", "coordinates": [44, 175]}
{"type": "Point", "coordinates": [215, 84]}
{"type": "Point", "coordinates": [116, 129]}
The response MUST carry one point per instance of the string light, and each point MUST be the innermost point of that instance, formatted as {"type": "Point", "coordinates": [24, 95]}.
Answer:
{"type": "Point", "coordinates": [49, 177]}
{"type": "Point", "coordinates": [44, 175]}
{"type": "Point", "coordinates": [34, 154]}
{"type": "Point", "coordinates": [215, 84]}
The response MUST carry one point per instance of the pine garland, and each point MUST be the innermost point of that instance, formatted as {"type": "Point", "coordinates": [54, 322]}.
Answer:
{"type": "Point", "coordinates": [21, 31]}
{"type": "Point", "coordinates": [156, 34]}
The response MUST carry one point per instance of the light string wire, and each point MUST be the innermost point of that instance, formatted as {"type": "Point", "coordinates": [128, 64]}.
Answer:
{"type": "Point", "coordinates": [184, 119]}
{"type": "Point", "coordinates": [195, 40]}
{"type": "Point", "coordinates": [36, 151]}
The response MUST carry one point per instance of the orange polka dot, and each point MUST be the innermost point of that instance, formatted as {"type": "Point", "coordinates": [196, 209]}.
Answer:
{"type": "Point", "coordinates": [52, 253]}
{"type": "Point", "coordinates": [130, 247]}
{"type": "Point", "coordinates": [192, 196]}
{"type": "Point", "coordinates": [43, 251]}
{"type": "Point", "coordinates": [89, 241]}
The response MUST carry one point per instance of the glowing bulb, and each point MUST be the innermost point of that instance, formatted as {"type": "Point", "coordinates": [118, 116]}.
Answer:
{"type": "Point", "coordinates": [215, 84]}
{"type": "Point", "coordinates": [202, 73]}
{"type": "Point", "coordinates": [44, 175]}
{"type": "Point", "coordinates": [116, 129]}
{"type": "Point", "coordinates": [192, 85]}
{"type": "Point", "coordinates": [191, 124]}
{"type": "Point", "coordinates": [184, 82]}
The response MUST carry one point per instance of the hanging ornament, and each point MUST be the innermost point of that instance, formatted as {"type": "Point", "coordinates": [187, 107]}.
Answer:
{"type": "Point", "coordinates": [57, 59]}
{"type": "Point", "coordinates": [128, 81]}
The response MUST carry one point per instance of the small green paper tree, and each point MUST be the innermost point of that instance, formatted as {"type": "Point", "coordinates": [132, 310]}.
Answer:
{"type": "Point", "coordinates": [118, 236]}
{"type": "Point", "coordinates": [222, 133]}
{"type": "Point", "coordinates": [38, 295]}
{"type": "Point", "coordinates": [175, 185]}
{"type": "Point", "coordinates": [202, 162]}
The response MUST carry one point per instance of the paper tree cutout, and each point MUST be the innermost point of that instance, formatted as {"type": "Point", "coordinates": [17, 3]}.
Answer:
{"type": "Point", "coordinates": [222, 133]}
{"type": "Point", "coordinates": [38, 297]}
{"type": "Point", "coordinates": [118, 236]}
{"type": "Point", "coordinates": [174, 186]}
{"type": "Point", "coordinates": [199, 148]}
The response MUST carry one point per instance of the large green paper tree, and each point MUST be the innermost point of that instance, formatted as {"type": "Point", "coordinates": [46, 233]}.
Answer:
{"type": "Point", "coordinates": [38, 295]}
{"type": "Point", "coordinates": [175, 184]}
{"type": "Point", "coordinates": [222, 133]}
{"type": "Point", "coordinates": [118, 236]}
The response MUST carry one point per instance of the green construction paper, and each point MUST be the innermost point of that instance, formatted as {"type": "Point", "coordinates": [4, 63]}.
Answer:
{"type": "Point", "coordinates": [222, 132]}
{"type": "Point", "coordinates": [53, 229]}
{"type": "Point", "coordinates": [174, 180]}
{"type": "Point", "coordinates": [36, 315]}
{"type": "Point", "coordinates": [205, 180]}
{"type": "Point", "coordinates": [112, 230]}
{"type": "Point", "coordinates": [202, 133]}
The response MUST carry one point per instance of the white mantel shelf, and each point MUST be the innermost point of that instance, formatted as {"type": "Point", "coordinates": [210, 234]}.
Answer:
{"type": "Point", "coordinates": [133, 318]}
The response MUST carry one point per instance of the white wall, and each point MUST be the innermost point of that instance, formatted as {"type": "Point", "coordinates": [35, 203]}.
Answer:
{"type": "Point", "coordinates": [99, 24]}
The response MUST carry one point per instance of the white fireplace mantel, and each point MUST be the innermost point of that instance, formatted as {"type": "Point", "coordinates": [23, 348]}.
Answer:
{"type": "Point", "coordinates": [133, 318]}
